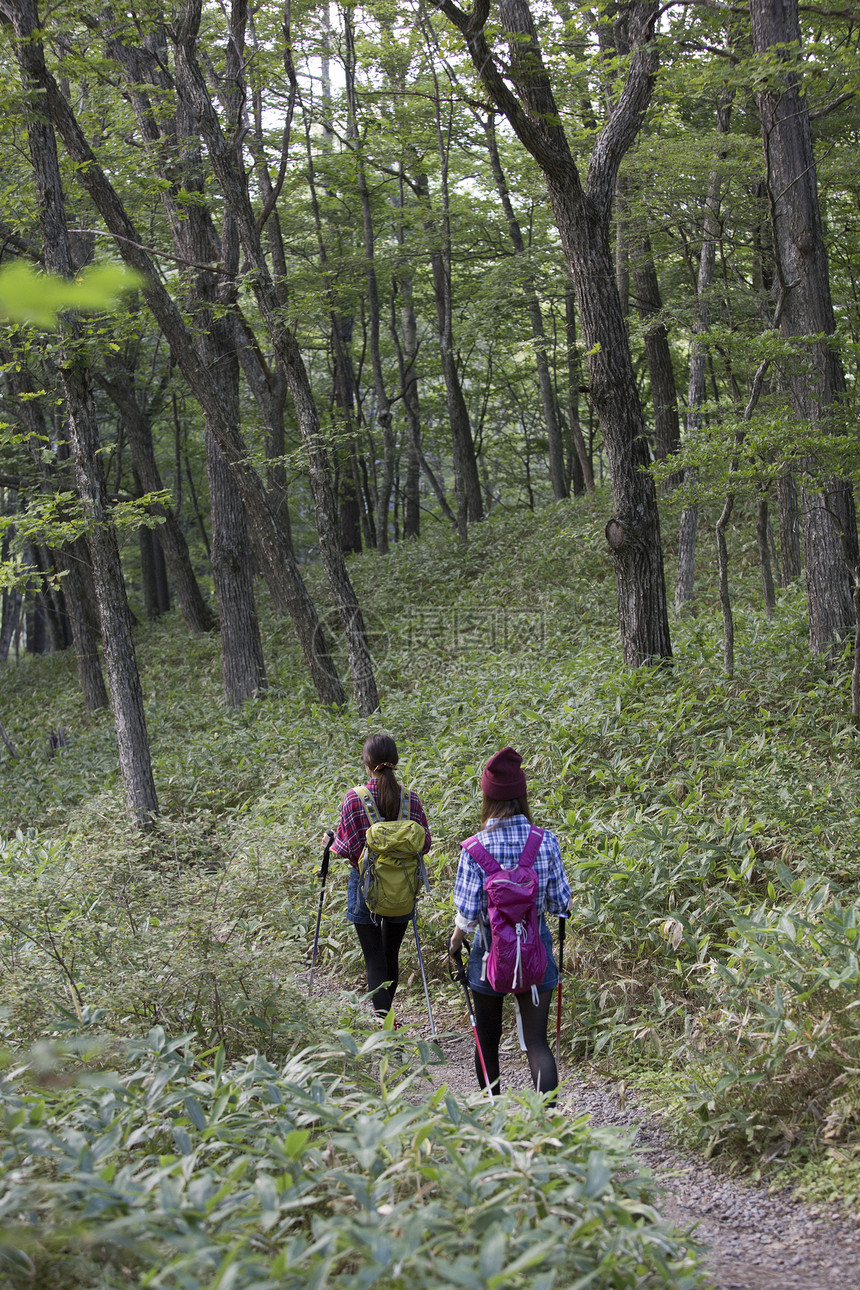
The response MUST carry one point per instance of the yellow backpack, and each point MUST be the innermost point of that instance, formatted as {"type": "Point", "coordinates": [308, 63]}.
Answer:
{"type": "Point", "coordinates": [392, 867]}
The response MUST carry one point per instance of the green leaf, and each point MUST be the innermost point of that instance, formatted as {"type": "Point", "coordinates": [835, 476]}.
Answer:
{"type": "Point", "coordinates": [37, 298]}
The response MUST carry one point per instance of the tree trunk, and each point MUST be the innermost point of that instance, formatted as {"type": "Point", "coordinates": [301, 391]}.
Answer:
{"type": "Point", "coordinates": [557, 475]}
{"type": "Point", "coordinates": [790, 562]}
{"type": "Point", "coordinates": [126, 694]}
{"type": "Point", "coordinates": [383, 403]}
{"type": "Point", "coordinates": [75, 562]}
{"type": "Point", "coordinates": [664, 396]}
{"type": "Point", "coordinates": [725, 595]}
{"type": "Point", "coordinates": [352, 513]}
{"type": "Point", "coordinates": [583, 218]}
{"type": "Point", "coordinates": [148, 577]}
{"type": "Point", "coordinates": [12, 601]}
{"type": "Point", "coordinates": [242, 667]}
{"type": "Point", "coordinates": [816, 381]}
{"type": "Point", "coordinates": [267, 384]}
{"type": "Point", "coordinates": [277, 561]}
{"type": "Point", "coordinates": [585, 474]}
{"type": "Point", "coordinates": [467, 483]}
{"type": "Point", "coordinates": [761, 532]}
{"type": "Point", "coordinates": [407, 359]}
{"type": "Point", "coordinates": [684, 580]}
{"type": "Point", "coordinates": [118, 383]}
{"type": "Point", "coordinates": [243, 670]}
{"type": "Point", "coordinates": [211, 300]}
{"type": "Point", "coordinates": [234, 187]}
{"type": "Point", "coordinates": [54, 613]}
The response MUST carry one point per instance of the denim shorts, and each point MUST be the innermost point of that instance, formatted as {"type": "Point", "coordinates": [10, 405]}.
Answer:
{"type": "Point", "coordinates": [476, 963]}
{"type": "Point", "coordinates": [356, 905]}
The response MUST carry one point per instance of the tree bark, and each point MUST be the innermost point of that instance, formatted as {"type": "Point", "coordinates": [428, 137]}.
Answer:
{"type": "Point", "coordinates": [383, 403]}
{"type": "Point", "coordinates": [467, 483]}
{"type": "Point", "coordinates": [211, 302]}
{"type": "Point", "coordinates": [761, 532]}
{"type": "Point", "coordinates": [75, 562]}
{"type": "Point", "coordinates": [12, 601]}
{"type": "Point", "coordinates": [407, 360]}
{"type": "Point", "coordinates": [725, 595]}
{"type": "Point", "coordinates": [816, 380]}
{"type": "Point", "coordinates": [791, 565]}
{"type": "Point", "coordinates": [153, 574]}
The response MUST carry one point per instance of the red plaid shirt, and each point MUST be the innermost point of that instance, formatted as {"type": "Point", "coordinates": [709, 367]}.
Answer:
{"type": "Point", "coordinates": [349, 838]}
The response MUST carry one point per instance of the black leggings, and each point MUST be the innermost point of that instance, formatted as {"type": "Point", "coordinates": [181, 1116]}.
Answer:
{"type": "Point", "coordinates": [488, 1020]}
{"type": "Point", "coordinates": [380, 944]}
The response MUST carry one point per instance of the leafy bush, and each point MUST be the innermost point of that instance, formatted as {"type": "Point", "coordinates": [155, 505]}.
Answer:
{"type": "Point", "coordinates": [150, 937]}
{"type": "Point", "coordinates": [335, 1168]}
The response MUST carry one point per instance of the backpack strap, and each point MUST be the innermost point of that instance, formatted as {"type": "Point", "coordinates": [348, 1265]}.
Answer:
{"type": "Point", "coordinates": [490, 864]}
{"type": "Point", "coordinates": [481, 856]}
{"type": "Point", "coordinates": [370, 808]}
{"type": "Point", "coordinates": [532, 846]}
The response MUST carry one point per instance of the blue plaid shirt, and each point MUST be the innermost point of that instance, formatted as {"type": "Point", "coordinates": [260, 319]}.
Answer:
{"type": "Point", "coordinates": [505, 840]}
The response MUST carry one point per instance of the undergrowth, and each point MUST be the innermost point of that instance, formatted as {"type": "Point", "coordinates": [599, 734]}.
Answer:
{"type": "Point", "coordinates": [710, 829]}
{"type": "Point", "coordinates": [337, 1167]}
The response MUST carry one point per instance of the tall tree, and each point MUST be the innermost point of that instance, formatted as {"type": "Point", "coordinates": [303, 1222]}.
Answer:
{"type": "Point", "coordinates": [136, 413]}
{"type": "Point", "coordinates": [549, 403]}
{"type": "Point", "coordinates": [171, 142]}
{"type": "Point", "coordinates": [815, 379]}
{"type": "Point", "coordinates": [698, 362]}
{"type": "Point", "coordinates": [73, 559]}
{"type": "Point", "coordinates": [234, 184]}
{"type": "Point", "coordinates": [126, 693]}
{"type": "Point", "coordinates": [384, 414]}
{"type": "Point", "coordinates": [273, 551]}
{"type": "Point", "coordinates": [582, 214]}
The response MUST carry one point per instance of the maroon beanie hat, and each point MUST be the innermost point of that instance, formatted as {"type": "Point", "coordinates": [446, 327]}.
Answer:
{"type": "Point", "coordinates": [503, 778]}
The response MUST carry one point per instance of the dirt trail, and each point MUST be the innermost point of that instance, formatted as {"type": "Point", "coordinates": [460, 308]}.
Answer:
{"type": "Point", "coordinates": [753, 1240]}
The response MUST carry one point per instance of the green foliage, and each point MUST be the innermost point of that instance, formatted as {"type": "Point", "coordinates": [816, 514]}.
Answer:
{"type": "Point", "coordinates": [172, 932]}
{"type": "Point", "coordinates": [37, 298]}
{"type": "Point", "coordinates": [335, 1167]}
{"type": "Point", "coordinates": [710, 830]}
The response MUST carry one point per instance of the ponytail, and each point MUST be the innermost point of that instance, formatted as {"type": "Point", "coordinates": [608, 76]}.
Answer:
{"type": "Point", "coordinates": [379, 755]}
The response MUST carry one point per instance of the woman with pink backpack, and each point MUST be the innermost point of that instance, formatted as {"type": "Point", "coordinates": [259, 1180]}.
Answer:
{"type": "Point", "coordinates": [509, 877]}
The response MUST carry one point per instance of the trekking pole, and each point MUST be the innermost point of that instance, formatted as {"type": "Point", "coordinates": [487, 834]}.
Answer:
{"type": "Point", "coordinates": [460, 976]}
{"type": "Point", "coordinates": [423, 975]}
{"type": "Point", "coordinates": [561, 926]}
{"type": "Point", "coordinates": [323, 874]}
{"type": "Point", "coordinates": [520, 1035]}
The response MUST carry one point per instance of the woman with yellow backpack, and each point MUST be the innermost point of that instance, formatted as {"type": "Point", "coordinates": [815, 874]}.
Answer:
{"type": "Point", "coordinates": [384, 834]}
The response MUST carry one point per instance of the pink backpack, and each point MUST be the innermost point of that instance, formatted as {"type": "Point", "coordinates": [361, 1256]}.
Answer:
{"type": "Point", "coordinates": [516, 959]}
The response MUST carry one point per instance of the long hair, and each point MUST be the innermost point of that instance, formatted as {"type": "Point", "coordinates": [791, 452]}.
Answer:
{"type": "Point", "coordinates": [379, 755]}
{"type": "Point", "coordinates": [493, 809]}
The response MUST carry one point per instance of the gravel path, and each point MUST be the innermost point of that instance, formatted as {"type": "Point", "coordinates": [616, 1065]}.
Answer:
{"type": "Point", "coordinates": [753, 1240]}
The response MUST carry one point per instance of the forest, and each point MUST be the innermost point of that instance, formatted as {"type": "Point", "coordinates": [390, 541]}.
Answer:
{"type": "Point", "coordinates": [487, 376]}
